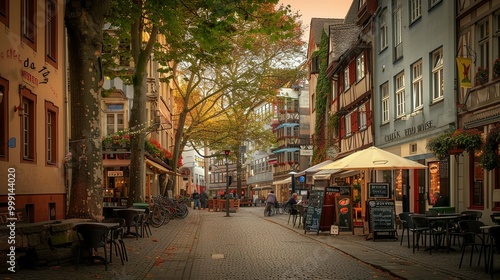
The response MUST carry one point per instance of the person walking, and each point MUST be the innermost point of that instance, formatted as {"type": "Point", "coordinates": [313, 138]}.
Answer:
{"type": "Point", "coordinates": [270, 201]}
{"type": "Point", "coordinates": [203, 199]}
{"type": "Point", "coordinates": [196, 199]}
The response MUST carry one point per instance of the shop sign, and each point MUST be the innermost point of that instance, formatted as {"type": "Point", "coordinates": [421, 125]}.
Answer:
{"type": "Point", "coordinates": [115, 173]}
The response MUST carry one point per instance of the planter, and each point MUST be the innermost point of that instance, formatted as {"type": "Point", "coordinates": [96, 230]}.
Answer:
{"type": "Point", "coordinates": [455, 151]}
{"type": "Point", "coordinates": [480, 81]}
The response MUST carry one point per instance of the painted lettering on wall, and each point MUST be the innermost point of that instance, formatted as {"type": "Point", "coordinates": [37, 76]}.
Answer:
{"type": "Point", "coordinates": [408, 131]}
{"type": "Point", "coordinates": [42, 72]}
{"type": "Point", "coordinates": [10, 53]}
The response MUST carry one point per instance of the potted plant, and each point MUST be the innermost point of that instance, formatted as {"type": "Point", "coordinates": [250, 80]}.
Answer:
{"type": "Point", "coordinates": [455, 142]}
{"type": "Point", "coordinates": [496, 68]}
{"type": "Point", "coordinates": [481, 75]}
{"type": "Point", "coordinates": [489, 158]}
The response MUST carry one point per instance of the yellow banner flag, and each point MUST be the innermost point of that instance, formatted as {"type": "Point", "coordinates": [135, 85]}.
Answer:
{"type": "Point", "coordinates": [463, 64]}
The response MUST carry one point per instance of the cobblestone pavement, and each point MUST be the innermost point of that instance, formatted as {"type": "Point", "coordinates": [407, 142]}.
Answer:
{"type": "Point", "coordinates": [247, 245]}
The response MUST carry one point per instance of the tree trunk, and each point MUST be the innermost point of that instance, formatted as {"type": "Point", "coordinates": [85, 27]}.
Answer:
{"type": "Point", "coordinates": [85, 26]}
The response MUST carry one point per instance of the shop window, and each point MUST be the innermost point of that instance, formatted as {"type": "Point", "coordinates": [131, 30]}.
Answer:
{"type": "Point", "coordinates": [476, 186]}
{"type": "Point", "coordinates": [438, 179]}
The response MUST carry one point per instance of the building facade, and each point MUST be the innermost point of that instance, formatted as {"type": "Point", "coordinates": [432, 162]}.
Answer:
{"type": "Point", "coordinates": [33, 108]}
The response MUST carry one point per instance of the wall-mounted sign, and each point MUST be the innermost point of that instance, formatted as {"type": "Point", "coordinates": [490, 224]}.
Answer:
{"type": "Point", "coordinates": [115, 173]}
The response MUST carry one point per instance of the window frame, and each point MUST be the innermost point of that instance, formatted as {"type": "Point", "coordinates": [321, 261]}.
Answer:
{"type": "Point", "coordinates": [417, 86]}
{"type": "Point", "coordinates": [483, 43]}
{"type": "Point", "coordinates": [51, 132]}
{"type": "Point", "coordinates": [383, 42]}
{"type": "Point", "coordinates": [115, 114]}
{"type": "Point", "coordinates": [399, 94]}
{"type": "Point", "coordinates": [385, 102]}
{"type": "Point", "coordinates": [437, 75]}
{"type": "Point", "coordinates": [398, 29]}
{"type": "Point", "coordinates": [4, 16]}
{"type": "Point", "coordinates": [346, 78]}
{"type": "Point", "coordinates": [51, 38]}
{"type": "Point", "coordinates": [347, 126]}
{"type": "Point", "coordinates": [415, 10]}
{"type": "Point", "coordinates": [28, 18]}
{"type": "Point", "coordinates": [28, 126]}
{"type": "Point", "coordinates": [362, 118]}
{"type": "Point", "coordinates": [360, 67]}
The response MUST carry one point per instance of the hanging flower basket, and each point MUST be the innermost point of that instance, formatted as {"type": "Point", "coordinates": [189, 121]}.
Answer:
{"type": "Point", "coordinates": [490, 158]}
{"type": "Point", "coordinates": [481, 77]}
{"type": "Point", "coordinates": [455, 142]}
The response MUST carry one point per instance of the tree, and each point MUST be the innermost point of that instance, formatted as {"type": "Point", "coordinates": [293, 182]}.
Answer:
{"type": "Point", "coordinates": [84, 22]}
{"type": "Point", "coordinates": [215, 96]}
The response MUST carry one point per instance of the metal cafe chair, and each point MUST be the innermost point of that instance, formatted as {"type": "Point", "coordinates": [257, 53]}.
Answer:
{"type": "Point", "coordinates": [116, 239]}
{"type": "Point", "coordinates": [92, 237]}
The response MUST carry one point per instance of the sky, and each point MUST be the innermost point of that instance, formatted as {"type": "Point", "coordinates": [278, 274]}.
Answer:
{"type": "Point", "coordinates": [318, 9]}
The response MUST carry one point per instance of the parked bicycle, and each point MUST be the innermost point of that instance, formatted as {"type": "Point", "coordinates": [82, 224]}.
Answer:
{"type": "Point", "coordinates": [165, 209]}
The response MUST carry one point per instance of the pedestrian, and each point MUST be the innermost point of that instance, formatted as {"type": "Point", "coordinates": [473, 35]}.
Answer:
{"type": "Point", "coordinates": [196, 199]}
{"type": "Point", "coordinates": [292, 202]}
{"type": "Point", "coordinates": [203, 199]}
{"type": "Point", "coordinates": [270, 201]}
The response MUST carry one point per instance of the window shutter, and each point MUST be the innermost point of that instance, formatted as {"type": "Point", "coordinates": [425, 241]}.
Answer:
{"type": "Point", "coordinates": [352, 72]}
{"type": "Point", "coordinates": [354, 121]}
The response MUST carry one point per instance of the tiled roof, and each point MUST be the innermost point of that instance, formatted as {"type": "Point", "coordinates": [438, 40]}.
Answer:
{"type": "Point", "coordinates": [343, 36]}
{"type": "Point", "coordinates": [317, 27]}
{"type": "Point", "coordinates": [352, 13]}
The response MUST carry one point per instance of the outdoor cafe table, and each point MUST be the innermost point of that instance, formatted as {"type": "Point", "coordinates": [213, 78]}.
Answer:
{"type": "Point", "coordinates": [447, 219]}
{"type": "Point", "coordinates": [138, 210]}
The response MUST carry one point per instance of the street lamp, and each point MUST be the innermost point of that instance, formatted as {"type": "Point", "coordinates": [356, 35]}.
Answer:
{"type": "Point", "coordinates": [226, 152]}
{"type": "Point", "coordinates": [292, 173]}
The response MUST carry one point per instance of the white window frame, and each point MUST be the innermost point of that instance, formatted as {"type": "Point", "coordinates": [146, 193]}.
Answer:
{"type": "Point", "coordinates": [483, 42]}
{"type": "Point", "coordinates": [400, 94]}
{"type": "Point", "coordinates": [383, 30]}
{"type": "Point", "coordinates": [347, 124]}
{"type": "Point", "coordinates": [398, 29]}
{"type": "Point", "coordinates": [116, 116]}
{"type": "Point", "coordinates": [362, 117]}
{"type": "Point", "coordinates": [437, 75]}
{"type": "Point", "coordinates": [346, 78]}
{"type": "Point", "coordinates": [415, 10]}
{"type": "Point", "coordinates": [360, 67]}
{"type": "Point", "coordinates": [384, 90]}
{"type": "Point", "coordinates": [417, 82]}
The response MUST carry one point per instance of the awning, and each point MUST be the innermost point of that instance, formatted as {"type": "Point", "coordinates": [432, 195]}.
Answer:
{"type": "Point", "coordinates": [287, 125]}
{"type": "Point", "coordinates": [285, 181]}
{"type": "Point", "coordinates": [158, 166]}
{"type": "Point", "coordinates": [115, 162]}
{"type": "Point", "coordinates": [325, 174]}
{"type": "Point", "coordinates": [286, 150]}
{"type": "Point", "coordinates": [314, 168]}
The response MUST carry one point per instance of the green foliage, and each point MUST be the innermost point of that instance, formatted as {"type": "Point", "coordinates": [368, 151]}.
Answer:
{"type": "Point", "coordinates": [468, 140]}
{"type": "Point", "coordinates": [490, 159]}
{"type": "Point", "coordinates": [322, 92]}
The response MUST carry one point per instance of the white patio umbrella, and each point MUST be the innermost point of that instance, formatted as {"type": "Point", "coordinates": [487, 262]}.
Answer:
{"type": "Point", "coordinates": [373, 158]}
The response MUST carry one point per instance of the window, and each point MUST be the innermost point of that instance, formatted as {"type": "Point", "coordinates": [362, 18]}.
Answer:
{"type": "Point", "coordinates": [383, 30]}
{"type": "Point", "coordinates": [360, 67]}
{"type": "Point", "coordinates": [400, 95]}
{"type": "Point", "coordinates": [398, 29]}
{"type": "Point", "coordinates": [51, 113]}
{"type": "Point", "coordinates": [28, 114]}
{"type": "Point", "coordinates": [433, 3]}
{"type": "Point", "coordinates": [417, 86]}
{"type": "Point", "coordinates": [384, 92]}
{"type": "Point", "coordinates": [347, 125]}
{"type": "Point", "coordinates": [483, 35]}
{"type": "Point", "coordinates": [346, 78]}
{"type": "Point", "coordinates": [4, 12]}
{"type": "Point", "coordinates": [4, 124]}
{"type": "Point", "coordinates": [362, 117]}
{"type": "Point", "coordinates": [51, 33]}
{"type": "Point", "coordinates": [28, 23]}
{"type": "Point", "coordinates": [415, 10]}
{"type": "Point", "coordinates": [115, 118]}
{"type": "Point", "coordinates": [496, 29]}
{"type": "Point", "coordinates": [437, 75]}
{"type": "Point", "coordinates": [476, 182]}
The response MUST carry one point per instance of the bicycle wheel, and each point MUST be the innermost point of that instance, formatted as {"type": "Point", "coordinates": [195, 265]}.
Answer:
{"type": "Point", "coordinates": [158, 217]}
{"type": "Point", "coordinates": [181, 211]}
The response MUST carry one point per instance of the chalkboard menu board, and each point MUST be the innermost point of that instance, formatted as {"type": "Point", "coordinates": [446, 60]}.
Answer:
{"type": "Point", "coordinates": [382, 216]}
{"type": "Point", "coordinates": [379, 190]}
{"type": "Point", "coordinates": [314, 208]}
{"type": "Point", "coordinates": [344, 212]}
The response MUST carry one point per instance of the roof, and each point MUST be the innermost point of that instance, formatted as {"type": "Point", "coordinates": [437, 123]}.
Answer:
{"type": "Point", "coordinates": [343, 37]}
